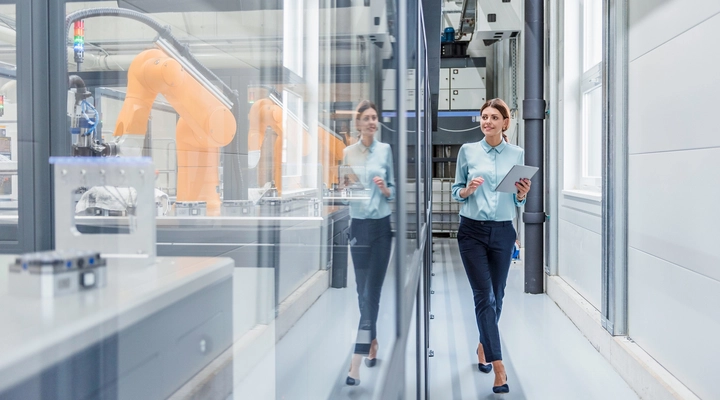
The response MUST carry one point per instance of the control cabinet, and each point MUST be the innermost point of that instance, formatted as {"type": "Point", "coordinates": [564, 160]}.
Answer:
{"type": "Point", "coordinates": [390, 87]}
{"type": "Point", "coordinates": [462, 84]}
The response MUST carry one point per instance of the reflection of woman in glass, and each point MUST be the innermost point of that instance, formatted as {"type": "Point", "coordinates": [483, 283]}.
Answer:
{"type": "Point", "coordinates": [370, 235]}
{"type": "Point", "coordinates": [486, 235]}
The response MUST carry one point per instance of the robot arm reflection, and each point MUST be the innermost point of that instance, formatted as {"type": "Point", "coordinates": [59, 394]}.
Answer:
{"type": "Point", "coordinates": [266, 117]}
{"type": "Point", "coordinates": [205, 125]}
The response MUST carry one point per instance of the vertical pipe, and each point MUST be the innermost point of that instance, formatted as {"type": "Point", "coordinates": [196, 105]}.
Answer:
{"type": "Point", "coordinates": [534, 114]}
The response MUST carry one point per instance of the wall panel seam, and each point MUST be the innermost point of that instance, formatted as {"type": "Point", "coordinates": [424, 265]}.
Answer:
{"type": "Point", "coordinates": [674, 151]}
{"type": "Point", "coordinates": [582, 211]}
{"type": "Point", "coordinates": [672, 263]}
{"type": "Point", "coordinates": [674, 37]}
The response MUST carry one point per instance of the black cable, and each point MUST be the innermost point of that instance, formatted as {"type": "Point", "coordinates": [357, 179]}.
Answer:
{"type": "Point", "coordinates": [163, 32]}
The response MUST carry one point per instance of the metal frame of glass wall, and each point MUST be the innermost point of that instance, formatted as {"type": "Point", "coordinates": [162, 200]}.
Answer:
{"type": "Point", "coordinates": [615, 167]}
{"type": "Point", "coordinates": [33, 131]}
{"type": "Point", "coordinates": [41, 92]}
{"type": "Point", "coordinates": [411, 272]}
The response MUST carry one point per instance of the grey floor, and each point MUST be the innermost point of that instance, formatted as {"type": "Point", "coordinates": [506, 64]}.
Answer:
{"type": "Point", "coordinates": [546, 357]}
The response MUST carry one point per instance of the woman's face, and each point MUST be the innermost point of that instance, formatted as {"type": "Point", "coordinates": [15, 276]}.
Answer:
{"type": "Point", "coordinates": [367, 122]}
{"type": "Point", "coordinates": [492, 122]}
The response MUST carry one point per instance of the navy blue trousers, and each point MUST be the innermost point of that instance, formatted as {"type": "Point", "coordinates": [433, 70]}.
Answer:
{"type": "Point", "coordinates": [370, 244]}
{"type": "Point", "coordinates": [486, 250]}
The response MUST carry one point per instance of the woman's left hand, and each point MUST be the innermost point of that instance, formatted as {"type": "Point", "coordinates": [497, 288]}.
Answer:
{"type": "Point", "coordinates": [523, 187]}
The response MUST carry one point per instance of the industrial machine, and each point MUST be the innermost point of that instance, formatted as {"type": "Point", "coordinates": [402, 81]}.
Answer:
{"type": "Point", "coordinates": [266, 116]}
{"type": "Point", "coordinates": [205, 125]}
{"type": "Point", "coordinates": [287, 161]}
{"type": "Point", "coordinates": [206, 122]}
{"type": "Point", "coordinates": [54, 273]}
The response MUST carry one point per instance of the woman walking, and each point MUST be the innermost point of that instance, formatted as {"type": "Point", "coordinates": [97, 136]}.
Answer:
{"type": "Point", "coordinates": [371, 236]}
{"type": "Point", "coordinates": [486, 234]}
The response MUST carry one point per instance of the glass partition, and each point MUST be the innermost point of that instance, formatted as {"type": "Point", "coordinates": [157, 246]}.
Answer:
{"type": "Point", "coordinates": [9, 137]}
{"type": "Point", "coordinates": [239, 200]}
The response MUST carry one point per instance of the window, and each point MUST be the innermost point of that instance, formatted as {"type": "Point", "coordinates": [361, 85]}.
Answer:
{"type": "Point", "coordinates": [293, 51]}
{"type": "Point", "coordinates": [591, 94]}
{"type": "Point", "coordinates": [293, 144]}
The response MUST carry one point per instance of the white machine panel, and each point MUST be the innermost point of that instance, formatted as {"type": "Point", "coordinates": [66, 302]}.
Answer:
{"type": "Point", "coordinates": [389, 79]}
{"type": "Point", "coordinates": [410, 79]}
{"type": "Point", "coordinates": [410, 100]}
{"type": "Point", "coordinates": [444, 78]}
{"type": "Point", "coordinates": [444, 100]}
{"type": "Point", "coordinates": [464, 78]}
{"type": "Point", "coordinates": [389, 100]}
{"type": "Point", "coordinates": [467, 99]}
{"type": "Point", "coordinates": [508, 19]}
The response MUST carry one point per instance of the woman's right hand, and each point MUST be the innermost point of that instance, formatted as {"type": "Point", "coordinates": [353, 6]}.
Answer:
{"type": "Point", "coordinates": [473, 185]}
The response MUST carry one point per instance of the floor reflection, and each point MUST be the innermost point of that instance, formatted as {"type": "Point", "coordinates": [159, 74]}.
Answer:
{"type": "Point", "coordinates": [312, 359]}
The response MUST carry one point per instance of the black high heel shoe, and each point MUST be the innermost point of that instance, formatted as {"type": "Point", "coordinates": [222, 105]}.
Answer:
{"type": "Point", "coordinates": [502, 388]}
{"type": "Point", "coordinates": [356, 382]}
{"type": "Point", "coordinates": [484, 368]}
{"type": "Point", "coordinates": [371, 362]}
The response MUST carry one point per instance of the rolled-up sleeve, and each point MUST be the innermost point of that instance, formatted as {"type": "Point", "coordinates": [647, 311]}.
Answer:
{"type": "Point", "coordinates": [461, 173]}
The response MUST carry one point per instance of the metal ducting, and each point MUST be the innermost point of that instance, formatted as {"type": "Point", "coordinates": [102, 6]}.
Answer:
{"type": "Point", "coordinates": [497, 20]}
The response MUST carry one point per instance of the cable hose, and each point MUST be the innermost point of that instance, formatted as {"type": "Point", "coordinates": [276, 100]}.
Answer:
{"type": "Point", "coordinates": [163, 31]}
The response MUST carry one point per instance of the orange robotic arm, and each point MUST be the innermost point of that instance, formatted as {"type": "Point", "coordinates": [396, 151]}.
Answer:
{"type": "Point", "coordinates": [266, 114]}
{"type": "Point", "coordinates": [331, 155]}
{"type": "Point", "coordinates": [205, 123]}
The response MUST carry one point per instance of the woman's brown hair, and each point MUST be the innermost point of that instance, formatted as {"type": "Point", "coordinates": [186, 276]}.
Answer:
{"type": "Point", "coordinates": [502, 108]}
{"type": "Point", "coordinates": [364, 106]}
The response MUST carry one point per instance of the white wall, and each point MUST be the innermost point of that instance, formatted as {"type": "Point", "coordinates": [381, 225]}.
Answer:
{"type": "Point", "coordinates": [674, 256]}
{"type": "Point", "coordinates": [579, 246]}
{"type": "Point", "coordinates": [579, 213]}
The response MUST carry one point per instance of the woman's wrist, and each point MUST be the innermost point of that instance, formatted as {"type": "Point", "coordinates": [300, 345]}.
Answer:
{"type": "Point", "coordinates": [519, 197]}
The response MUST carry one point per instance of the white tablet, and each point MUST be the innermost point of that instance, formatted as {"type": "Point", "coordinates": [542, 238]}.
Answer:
{"type": "Point", "coordinates": [516, 173]}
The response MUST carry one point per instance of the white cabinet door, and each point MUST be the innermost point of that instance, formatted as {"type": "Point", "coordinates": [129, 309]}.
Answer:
{"type": "Point", "coordinates": [444, 99]}
{"type": "Point", "coordinates": [444, 78]}
{"type": "Point", "coordinates": [388, 100]}
{"type": "Point", "coordinates": [467, 99]}
{"type": "Point", "coordinates": [388, 77]}
{"type": "Point", "coordinates": [410, 100]}
{"type": "Point", "coordinates": [467, 78]}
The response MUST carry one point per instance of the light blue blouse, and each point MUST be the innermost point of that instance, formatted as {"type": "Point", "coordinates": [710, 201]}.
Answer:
{"type": "Point", "coordinates": [479, 159]}
{"type": "Point", "coordinates": [367, 163]}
